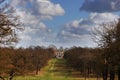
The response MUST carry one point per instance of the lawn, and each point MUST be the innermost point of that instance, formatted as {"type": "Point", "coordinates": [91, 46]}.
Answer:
{"type": "Point", "coordinates": [51, 71]}
{"type": "Point", "coordinates": [49, 78]}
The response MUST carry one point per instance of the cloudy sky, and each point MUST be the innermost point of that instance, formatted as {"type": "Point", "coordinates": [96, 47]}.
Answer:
{"type": "Point", "coordinates": [64, 23]}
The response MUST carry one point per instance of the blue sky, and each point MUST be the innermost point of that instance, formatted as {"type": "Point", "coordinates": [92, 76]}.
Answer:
{"type": "Point", "coordinates": [64, 23]}
{"type": "Point", "coordinates": [72, 12]}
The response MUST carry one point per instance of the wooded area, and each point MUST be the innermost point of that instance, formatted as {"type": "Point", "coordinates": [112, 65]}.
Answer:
{"type": "Point", "coordinates": [102, 61]}
{"type": "Point", "coordinates": [22, 61]}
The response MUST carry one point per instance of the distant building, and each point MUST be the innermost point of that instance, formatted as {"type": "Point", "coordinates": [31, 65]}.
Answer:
{"type": "Point", "coordinates": [59, 53]}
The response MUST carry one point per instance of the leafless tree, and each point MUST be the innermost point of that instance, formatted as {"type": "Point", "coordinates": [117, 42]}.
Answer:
{"type": "Point", "coordinates": [108, 38]}
{"type": "Point", "coordinates": [9, 24]}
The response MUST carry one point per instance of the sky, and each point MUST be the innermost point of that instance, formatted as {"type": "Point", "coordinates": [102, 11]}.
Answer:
{"type": "Point", "coordinates": [64, 23]}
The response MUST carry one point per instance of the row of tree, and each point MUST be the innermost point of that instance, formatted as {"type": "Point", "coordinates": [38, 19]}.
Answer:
{"type": "Point", "coordinates": [102, 61]}
{"type": "Point", "coordinates": [84, 60]}
{"type": "Point", "coordinates": [108, 37]}
{"type": "Point", "coordinates": [18, 61]}
{"type": "Point", "coordinates": [22, 61]}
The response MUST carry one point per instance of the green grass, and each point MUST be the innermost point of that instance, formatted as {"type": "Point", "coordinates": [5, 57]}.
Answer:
{"type": "Point", "coordinates": [49, 78]}
{"type": "Point", "coordinates": [50, 74]}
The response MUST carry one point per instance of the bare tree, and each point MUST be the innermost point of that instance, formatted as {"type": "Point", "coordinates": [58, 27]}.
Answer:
{"type": "Point", "coordinates": [8, 29]}
{"type": "Point", "coordinates": [9, 24]}
{"type": "Point", "coordinates": [107, 36]}
{"type": "Point", "coordinates": [104, 35]}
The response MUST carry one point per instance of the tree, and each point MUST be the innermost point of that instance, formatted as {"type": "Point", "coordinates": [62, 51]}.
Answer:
{"type": "Point", "coordinates": [116, 48]}
{"type": "Point", "coordinates": [81, 59]}
{"type": "Point", "coordinates": [108, 38]}
{"type": "Point", "coordinates": [6, 68]}
{"type": "Point", "coordinates": [40, 57]}
{"type": "Point", "coordinates": [9, 24]}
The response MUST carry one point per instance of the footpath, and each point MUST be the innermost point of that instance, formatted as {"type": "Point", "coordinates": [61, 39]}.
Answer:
{"type": "Point", "coordinates": [58, 68]}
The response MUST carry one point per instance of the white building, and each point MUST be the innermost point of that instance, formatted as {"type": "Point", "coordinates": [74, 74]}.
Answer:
{"type": "Point", "coordinates": [59, 53]}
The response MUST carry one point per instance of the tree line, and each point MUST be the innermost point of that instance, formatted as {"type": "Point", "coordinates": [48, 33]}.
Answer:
{"type": "Point", "coordinates": [84, 60]}
{"type": "Point", "coordinates": [23, 61]}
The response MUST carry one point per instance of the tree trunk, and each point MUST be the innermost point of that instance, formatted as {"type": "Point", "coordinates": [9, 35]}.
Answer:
{"type": "Point", "coordinates": [37, 69]}
{"type": "Point", "coordinates": [97, 76]}
{"type": "Point", "coordinates": [105, 72]}
{"type": "Point", "coordinates": [2, 78]}
{"type": "Point", "coordinates": [36, 72]}
{"type": "Point", "coordinates": [85, 71]}
{"type": "Point", "coordinates": [11, 78]}
{"type": "Point", "coordinates": [11, 75]}
{"type": "Point", "coordinates": [82, 69]}
{"type": "Point", "coordinates": [119, 73]}
{"type": "Point", "coordinates": [112, 75]}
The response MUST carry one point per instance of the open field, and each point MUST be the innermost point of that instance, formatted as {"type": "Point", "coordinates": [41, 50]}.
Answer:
{"type": "Point", "coordinates": [50, 78]}
{"type": "Point", "coordinates": [55, 70]}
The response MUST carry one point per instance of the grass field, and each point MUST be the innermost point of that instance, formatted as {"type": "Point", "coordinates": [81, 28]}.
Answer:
{"type": "Point", "coordinates": [50, 78]}
{"type": "Point", "coordinates": [55, 70]}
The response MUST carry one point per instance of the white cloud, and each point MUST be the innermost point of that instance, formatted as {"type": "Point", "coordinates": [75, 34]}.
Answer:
{"type": "Point", "coordinates": [99, 18]}
{"type": "Point", "coordinates": [78, 32]}
{"type": "Point", "coordinates": [43, 9]}
{"type": "Point", "coordinates": [101, 6]}
{"type": "Point", "coordinates": [33, 13]}
{"type": "Point", "coordinates": [48, 8]}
